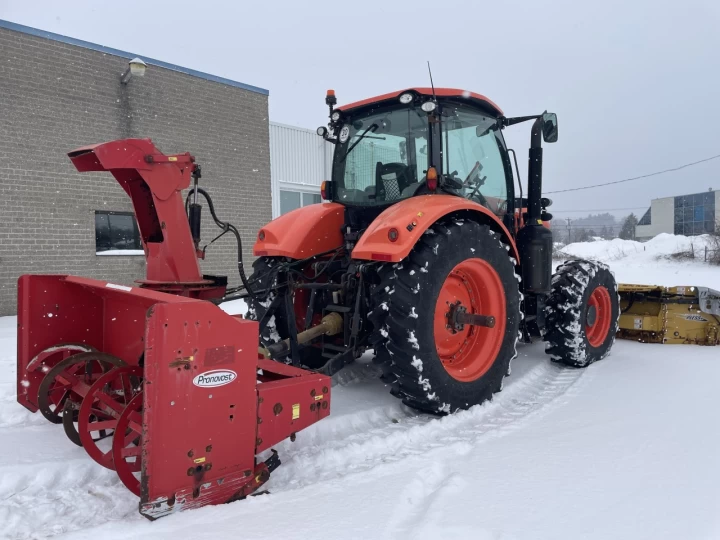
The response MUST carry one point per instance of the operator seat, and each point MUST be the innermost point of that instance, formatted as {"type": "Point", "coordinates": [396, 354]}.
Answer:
{"type": "Point", "coordinates": [391, 179]}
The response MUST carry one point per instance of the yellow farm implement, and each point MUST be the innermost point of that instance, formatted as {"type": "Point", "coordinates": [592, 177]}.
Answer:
{"type": "Point", "coordinates": [674, 315]}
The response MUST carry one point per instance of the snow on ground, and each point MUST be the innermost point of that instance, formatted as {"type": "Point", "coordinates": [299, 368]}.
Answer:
{"type": "Point", "coordinates": [234, 307]}
{"type": "Point", "coordinates": [626, 449]}
{"type": "Point", "coordinates": [648, 262]}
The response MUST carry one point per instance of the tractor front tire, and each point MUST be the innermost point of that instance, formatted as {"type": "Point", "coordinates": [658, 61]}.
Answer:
{"type": "Point", "coordinates": [581, 314]}
{"type": "Point", "coordinates": [434, 364]}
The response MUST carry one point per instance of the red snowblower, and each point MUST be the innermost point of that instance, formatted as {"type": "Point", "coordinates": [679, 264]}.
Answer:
{"type": "Point", "coordinates": [155, 381]}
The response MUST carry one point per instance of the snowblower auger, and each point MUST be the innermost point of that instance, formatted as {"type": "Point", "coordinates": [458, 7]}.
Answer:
{"type": "Point", "coordinates": [166, 389]}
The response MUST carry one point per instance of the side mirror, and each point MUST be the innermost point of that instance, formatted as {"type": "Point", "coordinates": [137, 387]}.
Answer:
{"type": "Point", "coordinates": [550, 127]}
{"type": "Point", "coordinates": [483, 129]}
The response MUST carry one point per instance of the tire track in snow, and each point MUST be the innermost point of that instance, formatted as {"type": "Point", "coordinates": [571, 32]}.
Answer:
{"type": "Point", "coordinates": [359, 451]}
{"type": "Point", "coordinates": [418, 514]}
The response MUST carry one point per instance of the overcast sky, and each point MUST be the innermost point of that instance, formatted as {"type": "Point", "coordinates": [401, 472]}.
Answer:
{"type": "Point", "coordinates": [635, 83]}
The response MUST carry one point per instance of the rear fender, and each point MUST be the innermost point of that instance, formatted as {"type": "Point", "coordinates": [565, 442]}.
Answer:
{"type": "Point", "coordinates": [411, 218]}
{"type": "Point", "coordinates": [302, 233]}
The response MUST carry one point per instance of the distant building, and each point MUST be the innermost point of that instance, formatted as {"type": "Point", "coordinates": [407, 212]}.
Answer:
{"type": "Point", "coordinates": [688, 215]}
{"type": "Point", "coordinates": [300, 161]}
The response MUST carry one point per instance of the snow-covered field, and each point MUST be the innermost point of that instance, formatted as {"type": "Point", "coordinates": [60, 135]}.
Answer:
{"type": "Point", "coordinates": [628, 448]}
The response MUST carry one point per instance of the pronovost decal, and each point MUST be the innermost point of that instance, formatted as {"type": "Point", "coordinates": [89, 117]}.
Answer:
{"type": "Point", "coordinates": [216, 377]}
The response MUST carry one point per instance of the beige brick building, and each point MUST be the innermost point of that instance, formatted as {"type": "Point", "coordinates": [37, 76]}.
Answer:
{"type": "Point", "coordinates": [58, 93]}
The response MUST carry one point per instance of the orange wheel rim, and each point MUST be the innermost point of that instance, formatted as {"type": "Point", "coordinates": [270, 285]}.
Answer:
{"type": "Point", "coordinates": [469, 352]}
{"type": "Point", "coordinates": [597, 318]}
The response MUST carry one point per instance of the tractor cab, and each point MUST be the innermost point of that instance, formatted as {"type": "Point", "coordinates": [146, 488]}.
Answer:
{"type": "Point", "coordinates": [421, 141]}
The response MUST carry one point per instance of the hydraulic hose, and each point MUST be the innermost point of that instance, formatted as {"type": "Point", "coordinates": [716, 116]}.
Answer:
{"type": "Point", "coordinates": [226, 227]}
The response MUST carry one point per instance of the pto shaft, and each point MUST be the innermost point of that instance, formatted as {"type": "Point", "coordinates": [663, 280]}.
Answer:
{"type": "Point", "coordinates": [330, 325]}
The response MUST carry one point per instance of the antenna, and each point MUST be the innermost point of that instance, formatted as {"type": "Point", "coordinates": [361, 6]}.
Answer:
{"type": "Point", "coordinates": [431, 81]}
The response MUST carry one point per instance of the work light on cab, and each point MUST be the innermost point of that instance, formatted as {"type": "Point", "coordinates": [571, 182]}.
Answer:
{"type": "Point", "coordinates": [406, 98]}
{"type": "Point", "coordinates": [344, 134]}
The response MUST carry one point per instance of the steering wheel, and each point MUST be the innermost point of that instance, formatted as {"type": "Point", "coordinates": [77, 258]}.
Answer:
{"type": "Point", "coordinates": [473, 173]}
{"type": "Point", "coordinates": [474, 178]}
{"type": "Point", "coordinates": [479, 196]}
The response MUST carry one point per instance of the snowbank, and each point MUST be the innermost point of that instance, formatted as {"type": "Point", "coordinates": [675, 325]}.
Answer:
{"type": "Point", "coordinates": [650, 263]}
{"type": "Point", "coordinates": [662, 246]}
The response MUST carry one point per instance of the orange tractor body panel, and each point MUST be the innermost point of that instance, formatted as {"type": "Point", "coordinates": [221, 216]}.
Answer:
{"type": "Point", "coordinates": [302, 233]}
{"type": "Point", "coordinates": [410, 219]}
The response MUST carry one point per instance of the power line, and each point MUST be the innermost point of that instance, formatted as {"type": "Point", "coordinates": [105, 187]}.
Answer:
{"type": "Point", "coordinates": [595, 227]}
{"type": "Point", "coordinates": [636, 177]}
{"type": "Point", "coordinates": [553, 211]}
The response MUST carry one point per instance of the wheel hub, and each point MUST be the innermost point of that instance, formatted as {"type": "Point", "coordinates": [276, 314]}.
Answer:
{"type": "Point", "coordinates": [458, 317]}
{"type": "Point", "coordinates": [591, 316]}
{"type": "Point", "coordinates": [470, 319]}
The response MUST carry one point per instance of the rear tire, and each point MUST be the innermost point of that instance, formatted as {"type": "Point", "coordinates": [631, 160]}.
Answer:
{"type": "Point", "coordinates": [581, 314]}
{"type": "Point", "coordinates": [432, 367]}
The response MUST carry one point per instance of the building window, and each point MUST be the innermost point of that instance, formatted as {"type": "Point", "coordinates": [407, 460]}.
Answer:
{"type": "Point", "coordinates": [695, 214]}
{"type": "Point", "coordinates": [290, 200]}
{"type": "Point", "coordinates": [116, 233]}
{"type": "Point", "coordinates": [646, 219]}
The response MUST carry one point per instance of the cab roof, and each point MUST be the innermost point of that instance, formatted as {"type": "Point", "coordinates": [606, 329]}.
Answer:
{"type": "Point", "coordinates": [440, 92]}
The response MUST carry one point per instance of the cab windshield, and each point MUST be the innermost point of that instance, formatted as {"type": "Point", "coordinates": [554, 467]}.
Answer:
{"type": "Point", "coordinates": [384, 158]}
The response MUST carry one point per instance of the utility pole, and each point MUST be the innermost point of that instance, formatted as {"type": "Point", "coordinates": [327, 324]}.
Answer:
{"type": "Point", "coordinates": [568, 229]}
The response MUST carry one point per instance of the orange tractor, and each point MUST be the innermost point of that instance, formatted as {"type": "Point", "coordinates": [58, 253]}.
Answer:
{"type": "Point", "coordinates": [427, 254]}
{"type": "Point", "coordinates": [424, 253]}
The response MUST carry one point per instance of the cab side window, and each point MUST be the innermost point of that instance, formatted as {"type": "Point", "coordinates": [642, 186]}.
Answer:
{"type": "Point", "coordinates": [472, 148]}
